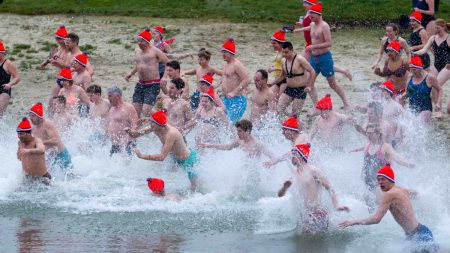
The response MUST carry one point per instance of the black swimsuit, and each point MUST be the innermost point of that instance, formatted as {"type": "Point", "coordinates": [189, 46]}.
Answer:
{"type": "Point", "coordinates": [289, 74]}
{"type": "Point", "coordinates": [441, 54]}
{"type": "Point", "coordinates": [298, 92]}
{"type": "Point", "coordinates": [4, 79]}
{"type": "Point", "coordinates": [415, 40]}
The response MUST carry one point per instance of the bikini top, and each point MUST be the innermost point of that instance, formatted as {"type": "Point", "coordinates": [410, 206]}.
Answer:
{"type": "Point", "coordinates": [289, 74]}
{"type": "Point", "coordinates": [400, 72]}
{"type": "Point", "coordinates": [214, 120]}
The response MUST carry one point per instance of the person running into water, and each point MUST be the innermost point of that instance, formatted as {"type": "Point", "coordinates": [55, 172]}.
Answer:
{"type": "Point", "coordinates": [426, 8]}
{"type": "Point", "coordinates": [58, 56]}
{"type": "Point", "coordinates": [7, 70]}
{"type": "Point", "coordinates": [321, 57]}
{"type": "Point", "coordinates": [310, 182]}
{"type": "Point", "coordinates": [179, 112]}
{"type": "Point", "coordinates": [305, 22]}
{"type": "Point", "coordinates": [157, 186]}
{"type": "Point", "coordinates": [173, 142]}
{"type": "Point", "coordinates": [147, 62]}
{"type": "Point", "coordinates": [392, 32]}
{"type": "Point", "coordinates": [418, 38]}
{"type": "Point", "coordinates": [99, 106]}
{"type": "Point", "coordinates": [164, 46]}
{"type": "Point", "coordinates": [296, 71]}
{"type": "Point", "coordinates": [81, 76]}
{"type": "Point", "coordinates": [263, 99]}
{"type": "Point", "coordinates": [204, 56]}
{"type": "Point", "coordinates": [62, 118]}
{"type": "Point", "coordinates": [45, 130]}
{"type": "Point", "coordinates": [173, 71]}
{"type": "Point", "coordinates": [397, 200]}
{"type": "Point", "coordinates": [329, 124]}
{"type": "Point", "coordinates": [440, 44]}
{"type": "Point", "coordinates": [204, 84]}
{"type": "Point", "coordinates": [122, 116]}
{"type": "Point", "coordinates": [72, 42]}
{"type": "Point", "coordinates": [277, 40]}
{"type": "Point", "coordinates": [234, 82]}
{"type": "Point", "coordinates": [76, 98]}
{"type": "Point", "coordinates": [31, 152]}
{"type": "Point", "coordinates": [419, 90]}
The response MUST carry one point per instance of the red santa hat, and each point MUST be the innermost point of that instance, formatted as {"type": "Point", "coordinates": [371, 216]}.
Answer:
{"type": "Point", "coordinates": [38, 110]}
{"type": "Point", "coordinates": [317, 9]}
{"type": "Point", "coordinates": [145, 35]}
{"type": "Point", "coordinates": [160, 30]}
{"type": "Point", "coordinates": [416, 62]}
{"type": "Point", "coordinates": [208, 79]}
{"type": "Point", "coordinates": [159, 118]}
{"type": "Point", "coordinates": [61, 32]}
{"type": "Point", "coordinates": [279, 36]}
{"type": "Point", "coordinates": [303, 150]}
{"type": "Point", "coordinates": [291, 123]}
{"type": "Point", "coordinates": [65, 74]}
{"type": "Point", "coordinates": [325, 103]}
{"type": "Point", "coordinates": [24, 126]}
{"type": "Point", "coordinates": [416, 16]}
{"type": "Point", "coordinates": [394, 46]}
{"type": "Point", "coordinates": [387, 172]}
{"type": "Point", "coordinates": [387, 86]}
{"type": "Point", "coordinates": [156, 185]}
{"type": "Point", "coordinates": [2, 47]}
{"type": "Point", "coordinates": [82, 59]}
{"type": "Point", "coordinates": [310, 2]}
{"type": "Point", "coordinates": [209, 93]}
{"type": "Point", "coordinates": [229, 46]}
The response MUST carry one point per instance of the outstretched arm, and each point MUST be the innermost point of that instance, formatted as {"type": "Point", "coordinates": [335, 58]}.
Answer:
{"type": "Point", "coordinates": [374, 219]}
{"type": "Point", "coordinates": [326, 184]}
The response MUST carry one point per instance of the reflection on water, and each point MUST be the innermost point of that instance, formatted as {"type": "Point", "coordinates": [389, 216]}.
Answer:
{"type": "Point", "coordinates": [29, 235]}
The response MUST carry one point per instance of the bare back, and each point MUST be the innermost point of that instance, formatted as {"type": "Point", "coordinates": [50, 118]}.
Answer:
{"type": "Point", "coordinates": [401, 208]}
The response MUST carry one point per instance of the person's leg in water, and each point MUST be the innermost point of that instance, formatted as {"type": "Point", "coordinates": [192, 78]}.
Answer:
{"type": "Point", "coordinates": [297, 106]}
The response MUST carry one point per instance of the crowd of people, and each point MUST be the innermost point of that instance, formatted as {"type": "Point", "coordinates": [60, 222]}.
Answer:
{"type": "Point", "coordinates": [409, 86]}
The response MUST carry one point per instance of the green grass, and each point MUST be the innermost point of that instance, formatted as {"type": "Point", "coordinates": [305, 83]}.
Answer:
{"type": "Point", "coordinates": [115, 41]}
{"type": "Point", "coordinates": [281, 11]}
{"type": "Point", "coordinates": [88, 48]}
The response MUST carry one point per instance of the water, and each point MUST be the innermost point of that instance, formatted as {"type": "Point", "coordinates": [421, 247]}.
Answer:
{"type": "Point", "coordinates": [108, 207]}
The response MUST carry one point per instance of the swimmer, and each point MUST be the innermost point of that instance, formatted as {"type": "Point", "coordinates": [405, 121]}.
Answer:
{"type": "Point", "coordinates": [31, 152]}
{"type": "Point", "coordinates": [45, 130]}
{"type": "Point", "coordinates": [397, 200]}
{"type": "Point", "coordinates": [156, 185]}
{"type": "Point", "coordinates": [426, 8]}
{"type": "Point", "coordinates": [72, 41]}
{"type": "Point", "coordinates": [58, 56]}
{"type": "Point", "coordinates": [204, 56]}
{"type": "Point", "coordinates": [7, 70]}
{"type": "Point", "coordinates": [263, 99]}
{"type": "Point", "coordinates": [310, 182]}
{"type": "Point", "coordinates": [173, 72]}
{"type": "Point", "coordinates": [204, 84]}
{"type": "Point", "coordinates": [147, 62]}
{"type": "Point", "coordinates": [234, 82]}
{"type": "Point", "coordinates": [418, 38]}
{"type": "Point", "coordinates": [277, 40]}
{"type": "Point", "coordinates": [173, 142]}
{"type": "Point", "coordinates": [99, 107]}
{"type": "Point", "coordinates": [121, 116]}
{"type": "Point", "coordinates": [392, 31]}
{"type": "Point", "coordinates": [81, 75]}
{"type": "Point", "coordinates": [76, 98]}
{"type": "Point", "coordinates": [61, 116]}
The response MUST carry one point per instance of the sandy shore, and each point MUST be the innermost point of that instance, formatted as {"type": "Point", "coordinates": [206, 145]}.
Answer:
{"type": "Point", "coordinates": [112, 55]}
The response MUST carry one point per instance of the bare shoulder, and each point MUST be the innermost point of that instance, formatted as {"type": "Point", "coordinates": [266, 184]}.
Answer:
{"type": "Point", "coordinates": [128, 106]}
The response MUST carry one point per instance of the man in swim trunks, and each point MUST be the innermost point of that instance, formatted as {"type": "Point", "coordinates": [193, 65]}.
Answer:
{"type": "Point", "coordinates": [294, 67]}
{"type": "Point", "coordinates": [31, 152]}
{"type": "Point", "coordinates": [147, 67]}
{"type": "Point", "coordinates": [173, 142]}
{"type": "Point", "coordinates": [72, 45]}
{"type": "Point", "coordinates": [246, 141]}
{"type": "Point", "coordinates": [173, 71]}
{"type": "Point", "coordinates": [310, 182]}
{"type": "Point", "coordinates": [263, 99]}
{"type": "Point", "coordinates": [321, 58]}
{"type": "Point", "coordinates": [329, 124]}
{"type": "Point", "coordinates": [121, 116]}
{"type": "Point", "coordinates": [397, 200]}
{"type": "Point", "coordinates": [7, 70]}
{"type": "Point", "coordinates": [234, 82]}
{"type": "Point", "coordinates": [45, 130]}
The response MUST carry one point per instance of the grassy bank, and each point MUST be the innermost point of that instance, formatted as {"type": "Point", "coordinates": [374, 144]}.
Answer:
{"type": "Point", "coordinates": [347, 11]}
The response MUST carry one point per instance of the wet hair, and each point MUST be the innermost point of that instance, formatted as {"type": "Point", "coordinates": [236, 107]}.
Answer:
{"type": "Point", "coordinates": [395, 27]}
{"type": "Point", "coordinates": [264, 73]}
{"type": "Point", "coordinates": [244, 124]}
{"type": "Point", "coordinates": [203, 53]}
{"type": "Point", "coordinates": [73, 37]}
{"type": "Point", "coordinates": [287, 45]}
{"type": "Point", "coordinates": [115, 90]}
{"type": "Point", "coordinates": [61, 99]}
{"type": "Point", "coordinates": [377, 107]}
{"type": "Point", "coordinates": [95, 89]}
{"type": "Point", "coordinates": [179, 83]}
{"type": "Point", "coordinates": [173, 64]}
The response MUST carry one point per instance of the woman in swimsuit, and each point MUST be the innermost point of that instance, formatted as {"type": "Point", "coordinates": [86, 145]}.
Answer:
{"type": "Point", "coordinates": [418, 38]}
{"type": "Point", "coordinates": [426, 8]}
{"type": "Point", "coordinates": [211, 119]}
{"type": "Point", "coordinates": [392, 32]}
{"type": "Point", "coordinates": [74, 94]}
{"type": "Point", "coordinates": [278, 38]}
{"type": "Point", "coordinates": [7, 70]}
{"type": "Point", "coordinates": [204, 56]}
{"type": "Point", "coordinates": [440, 45]}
